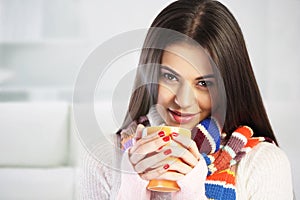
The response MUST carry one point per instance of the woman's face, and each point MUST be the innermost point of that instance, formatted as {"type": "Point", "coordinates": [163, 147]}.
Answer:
{"type": "Point", "coordinates": [186, 85]}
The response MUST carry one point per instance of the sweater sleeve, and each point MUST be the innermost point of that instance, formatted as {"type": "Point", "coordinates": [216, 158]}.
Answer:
{"type": "Point", "coordinates": [265, 173]}
{"type": "Point", "coordinates": [95, 179]}
{"type": "Point", "coordinates": [192, 185]}
{"type": "Point", "coordinates": [132, 185]}
{"type": "Point", "coordinates": [98, 171]}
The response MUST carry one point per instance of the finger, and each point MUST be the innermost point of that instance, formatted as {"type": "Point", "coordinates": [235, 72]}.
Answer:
{"type": "Point", "coordinates": [147, 139]}
{"type": "Point", "coordinates": [155, 173]}
{"type": "Point", "coordinates": [139, 131]}
{"type": "Point", "coordinates": [184, 154]}
{"type": "Point", "coordinates": [177, 157]}
{"type": "Point", "coordinates": [171, 175]}
{"type": "Point", "coordinates": [153, 161]}
{"type": "Point", "coordinates": [150, 147]}
{"type": "Point", "coordinates": [162, 172]}
{"type": "Point", "coordinates": [180, 167]}
{"type": "Point", "coordinates": [168, 170]}
{"type": "Point", "coordinates": [175, 165]}
{"type": "Point", "coordinates": [136, 157]}
{"type": "Point", "coordinates": [187, 143]}
{"type": "Point", "coordinates": [156, 160]}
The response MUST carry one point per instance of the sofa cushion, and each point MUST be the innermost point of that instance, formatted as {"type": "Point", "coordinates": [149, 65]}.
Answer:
{"type": "Point", "coordinates": [37, 183]}
{"type": "Point", "coordinates": [34, 134]}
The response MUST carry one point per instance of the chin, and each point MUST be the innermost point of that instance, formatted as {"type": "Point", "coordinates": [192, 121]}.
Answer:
{"type": "Point", "coordinates": [190, 125]}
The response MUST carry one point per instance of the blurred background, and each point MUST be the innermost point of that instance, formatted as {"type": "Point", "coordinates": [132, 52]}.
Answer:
{"type": "Point", "coordinates": [43, 44]}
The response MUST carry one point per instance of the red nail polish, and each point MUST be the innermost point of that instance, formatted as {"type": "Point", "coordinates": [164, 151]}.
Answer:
{"type": "Point", "coordinates": [166, 139]}
{"type": "Point", "coordinates": [160, 148]}
{"type": "Point", "coordinates": [167, 152]}
{"type": "Point", "coordinates": [161, 133]}
{"type": "Point", "coordinates": [174, 134]}
{"type": "Point", "coordinates": [166, 166]}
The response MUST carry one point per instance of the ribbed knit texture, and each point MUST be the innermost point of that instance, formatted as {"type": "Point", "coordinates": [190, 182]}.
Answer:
{"type": "Point", "coordinates": [262, 173]}
{"type": "Point", "coordinates": [220, 182]}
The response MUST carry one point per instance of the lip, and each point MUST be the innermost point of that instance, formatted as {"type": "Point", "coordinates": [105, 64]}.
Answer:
{"type": "Point", "coordinates": [181, 118]}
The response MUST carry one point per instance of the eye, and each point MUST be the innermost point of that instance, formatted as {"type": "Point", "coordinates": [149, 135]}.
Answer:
{"type": "Point", "coordinates": [204, 83]}
{"type": "Point", "coordinates": [170, 77]}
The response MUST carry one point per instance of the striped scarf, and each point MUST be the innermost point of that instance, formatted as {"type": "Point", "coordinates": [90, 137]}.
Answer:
{"type": "Point", "coordinates": [220, 153]}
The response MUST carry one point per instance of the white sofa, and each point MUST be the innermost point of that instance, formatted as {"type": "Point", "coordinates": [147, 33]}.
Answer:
{"type": "Point", "coordinates": [39, 148]}
{"type": "Point", "coordinates": [37, 151]}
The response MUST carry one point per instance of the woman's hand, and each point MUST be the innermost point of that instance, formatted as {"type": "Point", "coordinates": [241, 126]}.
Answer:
{"type": "Point", "coordinates": [158, 156]}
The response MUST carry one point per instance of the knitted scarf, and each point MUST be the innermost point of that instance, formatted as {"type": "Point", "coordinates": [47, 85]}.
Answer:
{"type": "Point", "coordinates": [220, 153]}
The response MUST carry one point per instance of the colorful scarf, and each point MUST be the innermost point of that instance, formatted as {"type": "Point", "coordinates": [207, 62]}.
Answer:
{"type": "Point", "coordinates": [221, 154]}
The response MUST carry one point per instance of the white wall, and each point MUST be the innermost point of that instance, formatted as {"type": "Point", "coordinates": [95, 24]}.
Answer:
{"type": "Point", "coordinates": [44, 42]}
{"type": "Point", "coordinates": [271, 30]}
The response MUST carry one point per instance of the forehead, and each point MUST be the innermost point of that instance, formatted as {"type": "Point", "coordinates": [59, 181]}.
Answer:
{"type": "Point", "coordinates": [183, 56]}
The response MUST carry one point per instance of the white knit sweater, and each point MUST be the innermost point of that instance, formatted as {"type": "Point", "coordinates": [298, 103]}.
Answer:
{"type": "Point", "coordinates": [263, 174]}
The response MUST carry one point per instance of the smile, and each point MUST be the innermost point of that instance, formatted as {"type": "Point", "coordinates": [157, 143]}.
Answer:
{"type": "Point", "coordinates": [181, 118]}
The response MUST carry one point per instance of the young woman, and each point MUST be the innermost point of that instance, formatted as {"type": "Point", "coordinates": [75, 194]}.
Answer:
{"type": "Point", "coordinates": [195, 73]}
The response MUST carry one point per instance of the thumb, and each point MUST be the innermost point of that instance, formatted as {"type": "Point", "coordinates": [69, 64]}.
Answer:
{"type": "Point", "coordinates": [139, 131]}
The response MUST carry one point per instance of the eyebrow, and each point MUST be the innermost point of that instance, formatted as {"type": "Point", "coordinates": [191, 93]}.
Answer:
{"type": "Point", "coordinates": [206, 76]}
{"type": "Point", "coordinates": [175, 73]}
{"type": "Point", "coordinates": [169, 69]}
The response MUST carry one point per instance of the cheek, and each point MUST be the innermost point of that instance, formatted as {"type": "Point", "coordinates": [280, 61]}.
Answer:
{"type": "Point", "coordinates": [165, 96]}
{"type": "Point", "coordinates": [204, 102]}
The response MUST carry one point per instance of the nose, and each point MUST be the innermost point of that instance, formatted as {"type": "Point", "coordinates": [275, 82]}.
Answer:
{"type": "Point", "coordinates": [185, 96]}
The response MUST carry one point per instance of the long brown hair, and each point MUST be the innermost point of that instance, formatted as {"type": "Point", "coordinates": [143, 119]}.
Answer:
{"type": "Point", "coordinates": [213, 26]}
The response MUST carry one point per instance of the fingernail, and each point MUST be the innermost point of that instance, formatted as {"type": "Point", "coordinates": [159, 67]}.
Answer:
{"type": "Point", "coordinates": [167, 152]}
{"type": "Point", "coordinates": [160, 148]}
{"type": "Point", "coordinates": [166, 139]}
{"type": "Point", "coordinates": [140, 126]}
{"type": "Point", "coordinates": [174, 134]}
{"type": "Point", "coordinates": [166, 166]}
{"type": "Point", "coordinates": [161, 134]}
